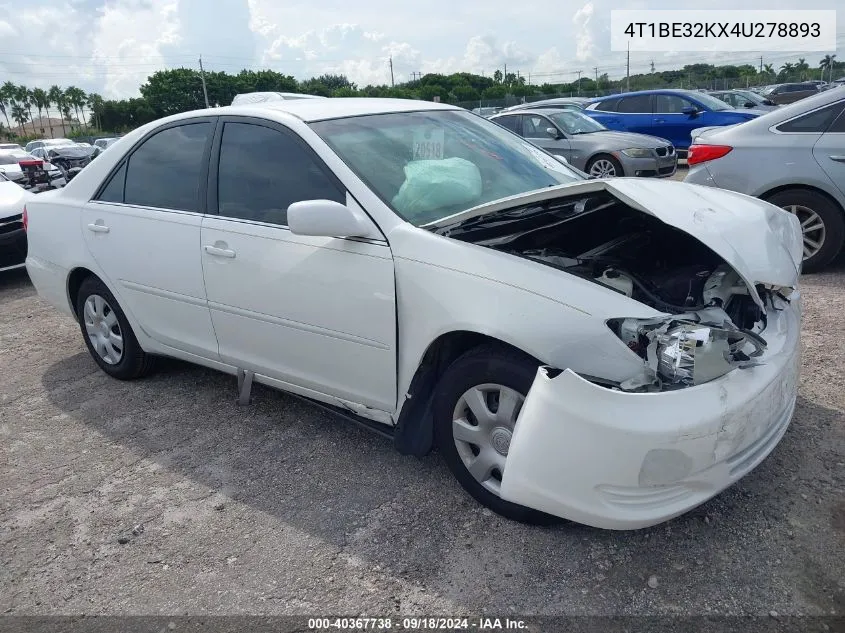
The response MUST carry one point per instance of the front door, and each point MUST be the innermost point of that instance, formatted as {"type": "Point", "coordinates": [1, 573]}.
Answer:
{"type": "Point", "coordinates": [670, 122]}
{"type": "Point", "coordinates": [143, 230]}
{"type": "Point", "coordinates": [318, 313]}
{"type": "Point", "coordinates": [535, 128]}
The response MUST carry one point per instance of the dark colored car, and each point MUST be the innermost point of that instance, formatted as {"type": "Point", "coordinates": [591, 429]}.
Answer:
{"type": "Point", "coordinates": [669, 114]}
{"type": "Point", "coordinates": [789, 93]}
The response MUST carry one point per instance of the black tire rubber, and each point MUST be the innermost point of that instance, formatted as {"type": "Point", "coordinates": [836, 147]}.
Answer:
{"type": "Point", "coordinates": [832, 216]}
{"type": "Point", "coordinates": [489, 363]}
{"type": "Point", "coordinates": [135, 363]}
{"type": "Point", "coordinates": [620, 173]}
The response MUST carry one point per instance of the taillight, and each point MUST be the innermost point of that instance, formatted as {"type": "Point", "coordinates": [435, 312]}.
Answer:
{"type": "Point", "coordinates": [703, 153]}
{"type": "Point", "coordinates": [25, 219]}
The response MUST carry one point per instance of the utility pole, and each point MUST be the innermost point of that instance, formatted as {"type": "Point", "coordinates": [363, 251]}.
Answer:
{"type": "Point", "coordinates": [761, 64]}
{"type": "Point", "coordinates": [204, 91]}
{"type": "Point", "coordinates": [505, 76]}
{"type": "Point", "coordinates": [579, 81]}
{"type": "Point", "coordinates": [597, 77]}
{"type": "Point", "coordinates": [390, 61]}
{"type": "Point", "coordinates": [628, 70]}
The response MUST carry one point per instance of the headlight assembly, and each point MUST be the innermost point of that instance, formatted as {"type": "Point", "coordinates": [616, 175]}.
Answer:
{"type": "Point", "coordinates": [638, 152]}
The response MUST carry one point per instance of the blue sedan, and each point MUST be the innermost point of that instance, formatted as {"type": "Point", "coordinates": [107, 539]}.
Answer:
{"type": "Point", "coordinates": [669, 114]}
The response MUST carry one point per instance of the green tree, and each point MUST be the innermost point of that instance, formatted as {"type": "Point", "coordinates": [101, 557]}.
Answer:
{"type": "Point", "coordinates": [40, 101]}
{"type": "Point", "coordinates": [76, 98]}
{"type": "Point", "coordinates": [827, 63]}
{"type": "Point", "coordinates": [497, 76]}
{"type": "Point", "coordinates": [7, 100]}
{"type": "Point", "coordinates": [95, 103]}
{"type": "Point", "coordinates": [24, 97]}
{"type": "Point", "coordinates": [465, 92]}
{"type": "Point", "coordinates": [57, 96]}
{"type": "Point", "coordinates": [20, 115]}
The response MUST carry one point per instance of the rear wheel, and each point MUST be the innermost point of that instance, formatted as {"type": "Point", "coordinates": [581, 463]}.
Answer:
{"type": "Point", "coordinates": [107, 333]}
{"type": "Point", "coordinates": [604, 166]}
{"type": "Point", "coordinates": [476, 404]}
{"type": "Point", "coordinates": [822, 224]}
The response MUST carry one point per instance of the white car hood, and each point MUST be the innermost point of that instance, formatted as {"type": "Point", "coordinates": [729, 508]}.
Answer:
{"type": "Point", "coordinates": [12, 199]}
{"type": "Point", "coordinates": [760, 241]}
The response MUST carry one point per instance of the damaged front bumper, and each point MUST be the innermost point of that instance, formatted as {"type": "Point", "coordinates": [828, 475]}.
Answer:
{"type": "Point", "coordinates": [618, 460]}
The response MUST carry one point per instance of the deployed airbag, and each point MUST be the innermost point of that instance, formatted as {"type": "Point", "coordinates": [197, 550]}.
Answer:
{"type": "Point", "coordinates": [437, 184]}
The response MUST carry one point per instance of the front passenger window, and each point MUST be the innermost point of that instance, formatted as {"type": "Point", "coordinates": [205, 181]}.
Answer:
{"type": "Point", "coordinates": [262, 171]}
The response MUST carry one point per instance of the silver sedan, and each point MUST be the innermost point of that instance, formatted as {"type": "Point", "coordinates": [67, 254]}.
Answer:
{"type": "Point", "coordinates": [589, 146]}
{"type": "Point", "coordinates": [793, 157]}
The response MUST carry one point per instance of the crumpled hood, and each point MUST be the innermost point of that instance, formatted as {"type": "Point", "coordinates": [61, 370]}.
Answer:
{"type": "Point", "coordinates": [760, 241]}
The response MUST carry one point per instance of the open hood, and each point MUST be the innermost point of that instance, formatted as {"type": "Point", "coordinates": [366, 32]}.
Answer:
{"type": "Point", "coordinates": [759, 241]}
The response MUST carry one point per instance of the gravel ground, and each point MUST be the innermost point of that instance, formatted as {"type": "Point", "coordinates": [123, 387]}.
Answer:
{"type": "Point", "coordinates": [280, 508]}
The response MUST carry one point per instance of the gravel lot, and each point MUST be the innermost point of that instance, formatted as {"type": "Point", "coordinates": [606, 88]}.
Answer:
{"type": "Point", "coordinates": [280, 508]}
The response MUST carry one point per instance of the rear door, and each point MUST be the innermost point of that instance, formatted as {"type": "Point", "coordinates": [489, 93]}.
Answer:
{"type": "Point", "coordinates": [143, 230]}
{"type": "Point", "coordinates": [829, 150]}
{"type": "Point", "coordinates": [634, 115]}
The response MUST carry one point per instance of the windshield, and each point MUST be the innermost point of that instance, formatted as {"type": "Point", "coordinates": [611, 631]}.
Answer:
{"type": "Point", "coordinates": [432, 164]}
{"type": "Point", "coordinates": [711, 102]}
{"type": "Point", "coordinates": [751, 96]}
{"type": "Point", "coordinates": [573, 122]}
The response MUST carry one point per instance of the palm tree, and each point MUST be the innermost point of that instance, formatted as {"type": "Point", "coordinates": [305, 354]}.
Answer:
{"type": "Point", "coordinates": [65, 108]}
{"type": "Point", "coordinates": [787, 69]}
{"type": "Point", "coordinates": [802, 66]}
{"type": "Point", "coordinates": [56, 96]}
{"type": "Point", "coordinates": [25, 99]}
{"type": "Point", "coordinates": [827, 63]}
{"type": "Point", "coordinates": [769, 70]}
{"type": "Point", "coordinates": [95, 102]}
{"type": "Point", "coordinates": [20, 115]}
{"type": "Point", "coordinates": [7, 99]}
{"type": "Point", "coordinates": [40, 101]}
{"type": "Point", "coordinates": [76, 98]}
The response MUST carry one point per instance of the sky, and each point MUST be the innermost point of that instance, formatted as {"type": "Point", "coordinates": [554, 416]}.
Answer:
{"type": "Point", "coordinates": [111, 46]}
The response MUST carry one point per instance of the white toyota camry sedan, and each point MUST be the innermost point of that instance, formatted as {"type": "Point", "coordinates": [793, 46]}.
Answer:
{"type": "Point", "coordinates": [613, 352]}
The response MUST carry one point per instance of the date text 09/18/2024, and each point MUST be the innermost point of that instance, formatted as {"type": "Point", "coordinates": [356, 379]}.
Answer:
{"type": "Point", "coordinates": [416, 624]}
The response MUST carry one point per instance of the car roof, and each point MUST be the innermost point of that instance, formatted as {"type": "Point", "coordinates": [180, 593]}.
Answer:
{"type": "Point", "coordinates": [662, 91]}
{"type": "Point", "coordinates": [310, 110]}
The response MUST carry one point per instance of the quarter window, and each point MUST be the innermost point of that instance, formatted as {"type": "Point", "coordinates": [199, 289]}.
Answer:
{"type": "Point", "coordinates": [838, 126]}
{"type": "Point", "coordinates": [164, 172]}
{"type": "Point", "coordinates": [608, 105]}
{"type": "Point", "coordinates": [113, 192]}
{"type": "Point", "coordinates": [262, 171]}
{"type": "Point", "coordinates": [813, 122]}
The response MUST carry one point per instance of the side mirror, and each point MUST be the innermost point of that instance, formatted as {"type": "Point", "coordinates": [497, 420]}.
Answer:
{"type": "Point", "coordinates": [689, 110]}
{"type": "Point", "coordinates": [325, 218]}
{"type": "Point", "coordinates": [768, 102]}
{"type": "Point", "coordinates": [553, 132]}
{"type": "Point", "coordinates": [749, 104]}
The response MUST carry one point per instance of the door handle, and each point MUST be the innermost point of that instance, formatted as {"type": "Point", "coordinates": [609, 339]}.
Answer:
{"type": "Point", "coordinates": [838, 159]}
{"type": "Point", "coordinates": [660, 120]}
{"type": "Point", "coordinates": [219, 252]}
{"type": "Point", "coordinates": [98, 227]}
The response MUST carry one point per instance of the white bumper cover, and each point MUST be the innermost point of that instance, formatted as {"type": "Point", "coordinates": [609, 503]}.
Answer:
{"type": "Point", "coordinates": [620, 460]}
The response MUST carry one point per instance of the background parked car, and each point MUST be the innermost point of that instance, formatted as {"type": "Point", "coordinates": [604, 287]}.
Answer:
{"type": "Point", "coordinates": [70, 159]}
{"type": "Point", "coordinates": [486, 111]}
{"type": "Point", "coordinates": [12, 234]}
{"type": "Point", "coordinates": [589, 146]}
{"type": "Point", "coordinates": [30, 172]}
{"type": "Point", "coordinates": [669, 114]}
{"type": "Point", "coordinates": [47, 142]}
{"type": "Point", "coordinates": [744, 99]}
{"type": "Point", "coordinates": [790, 93]}
{"type": "Point", "coordinates": [794, 157]}
{"type": "Point", "coordinates": [562, 103]}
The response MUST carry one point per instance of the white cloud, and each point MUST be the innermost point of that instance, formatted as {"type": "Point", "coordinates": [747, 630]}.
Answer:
{"type": "Point", "coordinates": [584, 40]}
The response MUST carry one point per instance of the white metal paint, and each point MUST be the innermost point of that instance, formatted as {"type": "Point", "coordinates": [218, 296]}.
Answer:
{"type": "Point", "coordinates": [316, 311]}
{"type": "Point", "coordinates": [581, 451]}
{"type": "Point", "coordinates": [12, 199]}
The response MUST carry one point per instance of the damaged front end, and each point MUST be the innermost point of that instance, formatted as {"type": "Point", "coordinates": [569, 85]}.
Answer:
{"type": "Point", "coordinates": [711, 275]}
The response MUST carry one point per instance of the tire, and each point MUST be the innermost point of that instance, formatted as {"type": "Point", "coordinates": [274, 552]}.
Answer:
{"type": "Point", "coordinates": [607, 159]}
{"type": "Point", "coordinates": [488, 366]}
{"type": "Point", "coordinates": [802, 202]}
{"type": "Point", "coordinates": [103, 320]}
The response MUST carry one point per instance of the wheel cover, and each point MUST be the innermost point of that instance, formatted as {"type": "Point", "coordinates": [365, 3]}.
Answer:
{"type": "Point", "coordinates": [103, 329]}
{"type": "Point", "coordinates": [603, 168]}
{"type": "Point", "coordinates": [482, 427]}
{"type": "Point", "coordinates": [812, 228]}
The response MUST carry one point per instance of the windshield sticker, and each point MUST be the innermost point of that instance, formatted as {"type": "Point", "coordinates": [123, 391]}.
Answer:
{"type": "Point", "coordinates": [428, 144]}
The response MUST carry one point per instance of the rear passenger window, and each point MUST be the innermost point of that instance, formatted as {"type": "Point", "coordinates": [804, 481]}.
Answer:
{"type": "Point", "coordinates": [608, 105]}
{"type": "Point", "coordinates": [640, 104]}
{"type": "Point", "coordinates": [164, 172]}
{"type": "Point", "coordinates": [262, 171]}
{"type": "Point", "coordinates": [113, 192]}
{"type": "Point", "coordinates": [815, 122]}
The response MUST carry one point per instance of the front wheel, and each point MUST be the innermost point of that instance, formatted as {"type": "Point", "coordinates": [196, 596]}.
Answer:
{"type": "Point", "coordinates": [822, 224]}
{"type": "Point", "coordinates": [476, 405]}
{"type": "Point", "coordinates": [604, 166]}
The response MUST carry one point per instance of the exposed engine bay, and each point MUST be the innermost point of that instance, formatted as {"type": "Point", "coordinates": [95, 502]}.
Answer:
{"type": "Point", "coordinates": [715, 324]}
